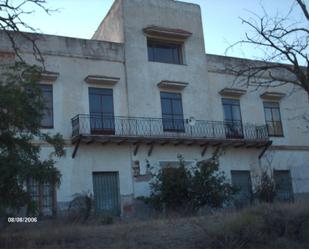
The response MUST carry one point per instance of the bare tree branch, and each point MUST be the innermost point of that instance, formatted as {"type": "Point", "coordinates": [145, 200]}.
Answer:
{"type": "Point", "coordinates": [12, 14]}
{"type": "Point", "coordinates": [304, 8]}
{"type": "Point", "coordinates": [284, 44]}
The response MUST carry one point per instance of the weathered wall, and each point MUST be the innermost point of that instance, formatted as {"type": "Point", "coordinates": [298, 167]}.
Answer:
{"type": "Point", "coordinates": [143, 75]}
{"type": "Point", "coordinates": [111, 28]}
{"type": "Point", "coordinates": [137, 94]}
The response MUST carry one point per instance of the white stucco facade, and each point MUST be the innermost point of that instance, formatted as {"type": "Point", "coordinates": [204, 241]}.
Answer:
{"type": "Point", "coordinates": [119, 50]}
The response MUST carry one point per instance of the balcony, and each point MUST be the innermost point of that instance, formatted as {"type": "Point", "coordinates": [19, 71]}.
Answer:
{"type": "Point", "coordinates": [105, 129]}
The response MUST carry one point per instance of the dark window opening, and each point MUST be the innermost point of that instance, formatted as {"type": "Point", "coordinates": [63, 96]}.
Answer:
{"type": "Point", "coordinates": [47, 95]}
{"type": "Point", "coordinates": [172, 113]}
{"type": "Point", "coordinates": [44, 197]}
{"type": "Point", "coordinates": [232, 118]}
{"type": "Point", "coordinates": [101, 105]}
{"type": "Point", "coordinates": [283, 181]}
{"type": "Point", "coordinates": [167, 52]}
{"type": "Point", "coordinates": [273, 119]}
{"type": "Point", "coordinates": [241, 180]}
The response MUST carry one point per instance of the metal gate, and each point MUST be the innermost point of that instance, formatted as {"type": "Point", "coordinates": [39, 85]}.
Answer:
{"type": "Point", "coordinates": [106, 193]}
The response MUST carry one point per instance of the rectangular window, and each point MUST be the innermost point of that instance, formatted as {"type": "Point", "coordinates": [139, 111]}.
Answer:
{"type": "Point", "coordinates": [101, 111]}
{"type": "Point", "coordinates": [232, 118]}
{"type": "Point", "coordinates": [44, 196]}
{"type": "Point", "coordinates": [47, 94]}
{"type": "Point", "coordinates": [162, 51]}
{"type": "Point", "coordinates": [172, 113]}
{"type": "Point", "coordinates": [283, 181]}
{"type": "Point", "coordinates": [273, 119]}
{"type": "Point", "coordinates": [242, 181]}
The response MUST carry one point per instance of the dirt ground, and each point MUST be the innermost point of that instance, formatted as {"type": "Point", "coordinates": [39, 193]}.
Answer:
{"type": "Point", "coordinates": [166, 234]}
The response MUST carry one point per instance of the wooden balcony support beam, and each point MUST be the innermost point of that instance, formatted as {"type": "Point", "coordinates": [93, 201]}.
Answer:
{"type": "Point", "coordinates": [136, 149]}
{"type": "Point", "coordinates": [121, 141]}
{"type": "Point", "coordinates": [89, 141]}
{"type": "Point", "coordinates": [252, 145]}
{"type": "Point", "coordinates": [265, 149]}
{"type": "Point", "coordinates": [204, 149]}
{"type": "Point", "coordinates": [76, 148]}
{"type": "Point", "coordinates": [189, 143]}
{"type": "Point", "coordinates": [176, 143]}
{"type": "Point", "coordinates": [150, 149]}
{"type": "Point", "coordinates": [163, 142]}
{"type": "Point", "coordinates": [238, 145]}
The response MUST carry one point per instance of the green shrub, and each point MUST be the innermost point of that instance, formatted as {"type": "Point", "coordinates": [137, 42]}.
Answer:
{"type": "Point", "coordinates": [188, 189]}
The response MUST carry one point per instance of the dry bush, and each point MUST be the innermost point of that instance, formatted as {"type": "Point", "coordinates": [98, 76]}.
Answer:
{"type": "Point", "coordinates": [266, 226]}
{"type": "Point", "coordinates": [262, 226]}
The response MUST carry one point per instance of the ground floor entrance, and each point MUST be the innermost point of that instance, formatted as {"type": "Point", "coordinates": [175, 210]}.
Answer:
{"type": "Point", "coordinates": [106, 193]}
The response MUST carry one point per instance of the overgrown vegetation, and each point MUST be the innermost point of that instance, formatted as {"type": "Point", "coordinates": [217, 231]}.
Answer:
{"type": "Point", "coordinates": [265, 188]}
{"type": "Point", "coordinates": [263, 226]}
{"type": "Point", "coordinates": [80, 207]}
{"type": "Point", "coordinates": [188, 189]}
{"type": "Point", "coordinates": [266, 226]}
{"type": "Point", "coordinates": [21, 111]}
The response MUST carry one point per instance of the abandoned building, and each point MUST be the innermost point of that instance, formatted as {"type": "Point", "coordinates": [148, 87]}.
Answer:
{"type": "Point", "coordinates": [144, 90]}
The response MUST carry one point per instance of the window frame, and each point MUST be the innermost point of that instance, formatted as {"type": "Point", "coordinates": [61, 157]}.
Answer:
{"type": "Point", "coordinates": [110, 129]}
{"type": "Point", "coordinates": [155, 42]}
{"type": "Point", "coordinates": [43, 88]}
{"type": "Point", "coordinates": [278, 174]}
{"type": "Point", "coordinates": [39, 197]}
{"type": "Point", "coordinates": [240, 173]}
{"type": "Point", "coordinates": [274, 134]}
{"type": "Point", "coordinates": [172, 114]}
{"type": "Point", "coordinates": [227, 122]}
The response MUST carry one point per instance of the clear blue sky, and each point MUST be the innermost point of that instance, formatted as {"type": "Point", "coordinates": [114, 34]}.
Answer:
{"type": "Point", "coordinates": [222, 26]}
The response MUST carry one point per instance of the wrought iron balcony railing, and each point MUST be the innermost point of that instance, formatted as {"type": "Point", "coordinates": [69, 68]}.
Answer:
{"type": "Point", "coordinates": [86, 125]}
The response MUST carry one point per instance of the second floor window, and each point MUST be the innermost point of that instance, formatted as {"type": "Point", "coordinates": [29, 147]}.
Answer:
{"type": "Point", "coordinates": [101, 111]}
{"type": "Point", "coordinates": [47, 94]}
{"type": "Point", "coordinates": [273, 119]}
{"type": "Point", "coordinates": [232, 118]}
{"type": "Point", "coordinates": [172, 112]}
{"type": "Point", "coordinates": [162, 51]}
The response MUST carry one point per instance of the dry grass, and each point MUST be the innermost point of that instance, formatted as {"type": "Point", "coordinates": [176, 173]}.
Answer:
{"type": "Point", "coordinates": [169, 233]}
{"type": "Point", "coordinates": [284, 226]}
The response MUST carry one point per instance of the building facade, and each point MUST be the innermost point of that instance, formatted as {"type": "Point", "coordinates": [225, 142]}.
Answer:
{"type": "Point", "coordinates": [142, 91]}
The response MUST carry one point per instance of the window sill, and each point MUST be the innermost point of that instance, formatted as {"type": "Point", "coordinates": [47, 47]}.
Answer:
{"type": "Point", "coordinates": [278, 136]}
{"type": "Point", "coordinates": [175, 131]}
{"type": "Point", "coordinates": [168, 63]}
{"type": "Point", "coordinates": [47, 127]}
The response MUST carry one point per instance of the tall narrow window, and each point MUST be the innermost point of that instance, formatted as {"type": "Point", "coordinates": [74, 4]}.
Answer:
{"type": "Point", "coordinates": [162, 51]}
{"type": "Point", "coordinates": [232, 118]}
{"type": "Point", "coordinates": [172, 113]}
{"type": "Point", "coordinates": [273, 119]}
{"type": "Point", "coordinates": [47, 94]}
{"type": "Point", "coordinates": [44, 197]}
{"type": "Point", "coordinates": [284, 186]}
{"type": "Point", "coordinates": [101, 111]}
{"type": "Point", "coordinates": [241, 179]}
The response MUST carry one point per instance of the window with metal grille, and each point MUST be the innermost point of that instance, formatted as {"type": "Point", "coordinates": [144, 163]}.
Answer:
{"type": "Point", "coordinates": [47, 95]}
{"type": "Point", "coordinates": [232, 118]}
{"type": "Point", "coordinates": [273, 119]}
{"type": "Point", "coordinates": [43, 194]}
{"type": "Point", "coordinates": [172, 113]}
{"type": "Point", "coordinates": [163, 51]}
